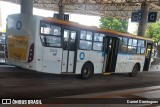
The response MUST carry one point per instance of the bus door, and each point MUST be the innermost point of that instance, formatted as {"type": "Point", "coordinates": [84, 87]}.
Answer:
{"type": "Point", "coordinates": [69, 50]}
{"type": "Point", "coordinates": [111, 51]}
{"type": "Point", "coordinates": [148, 56]}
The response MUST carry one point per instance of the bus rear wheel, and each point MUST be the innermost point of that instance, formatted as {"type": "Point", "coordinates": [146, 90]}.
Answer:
{"type": "Point", "coordinates": [87, 71]}
{"type": "Point", "coordinates": [134, 71]}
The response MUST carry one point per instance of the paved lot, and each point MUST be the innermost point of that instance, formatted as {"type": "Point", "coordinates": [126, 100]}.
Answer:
{"type": "Point", "coordinates": [20, 83]}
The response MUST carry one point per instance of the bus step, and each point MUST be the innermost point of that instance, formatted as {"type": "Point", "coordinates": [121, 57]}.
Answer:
{"type": "Point", "coordinates": [106, 73]}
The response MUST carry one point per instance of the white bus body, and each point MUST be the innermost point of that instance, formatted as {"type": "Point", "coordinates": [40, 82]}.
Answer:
{"type": "Point", "coordinates": [27, 49]}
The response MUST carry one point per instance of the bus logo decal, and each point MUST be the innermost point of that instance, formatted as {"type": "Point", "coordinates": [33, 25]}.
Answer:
{"type": "Point", "coordinates": [82, 56]}
{"type": "Point", "coordinates": [19, 25]}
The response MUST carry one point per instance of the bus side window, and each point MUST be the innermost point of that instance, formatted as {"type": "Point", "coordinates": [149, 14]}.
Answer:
{"type": "Point", "coordinates": [55, 30]}
{"type": "Point", "coordinates": [66, 37]}
{"type": "Point", "coordinates": [124, 45]}
{"type": "Point", "coordinates": [141, 47]}
{"type": "Point", "coordinates": [110, 45]}
{"type": "Point", "coordinates": [134, 46]}
{"type": "Point", "coordinates": [45, 28]}
{"type": "Point", "coordinates": [85, 40]}
{"type": "Point", "coordinates": [120, 44]}
{"type": "Point", "coordinates": [43, 40]}
{"type": "Point", "coordinates": [83, 34]}
{"type": "Point", "coordinates": [105, 45]}
{"type": "Point", "coordinates": [149, 51]}
{"type": "Point", "coordinates": [98, 41]}
{"type": "Point", "coordinates": [72, 41]}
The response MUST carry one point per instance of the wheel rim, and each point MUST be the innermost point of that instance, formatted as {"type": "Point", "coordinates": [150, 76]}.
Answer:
{"type": "Point", "coordinates": [135, 70]}
{"type": "Point", "coordinates": [86, 71]}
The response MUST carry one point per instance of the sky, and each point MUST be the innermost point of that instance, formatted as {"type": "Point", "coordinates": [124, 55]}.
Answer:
{"type": "Point", "coordinates": [81, 19]}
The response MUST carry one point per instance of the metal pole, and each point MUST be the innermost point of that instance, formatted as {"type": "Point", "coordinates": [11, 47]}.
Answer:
{"type": "Point", "coordinates": [26, 7]}
{"type": "Point", "coordinates": [143, 22]}
{"type": "Point", "coordinates": [61, 10]}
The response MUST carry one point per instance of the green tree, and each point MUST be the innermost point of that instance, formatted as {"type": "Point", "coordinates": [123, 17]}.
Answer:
{"type": "Point", "coordinates": [114, 24]}
{"type": "Point", "coordinates": [153, 31]}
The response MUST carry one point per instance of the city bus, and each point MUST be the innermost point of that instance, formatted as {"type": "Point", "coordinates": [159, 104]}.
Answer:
{"type": "Point", "coordinates": [55, 46]}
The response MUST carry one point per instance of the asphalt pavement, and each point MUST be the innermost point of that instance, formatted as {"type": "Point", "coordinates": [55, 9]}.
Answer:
{"type": "Point", "coordinates": [21, 83]}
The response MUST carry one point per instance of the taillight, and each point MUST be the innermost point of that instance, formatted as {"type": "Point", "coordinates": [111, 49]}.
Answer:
{"type": "Point", "coordinates": [31, 53]}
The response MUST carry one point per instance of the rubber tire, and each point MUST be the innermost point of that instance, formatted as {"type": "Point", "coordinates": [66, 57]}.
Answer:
{"type": "Point", "coordinates": [134, 71]}
{"type": "Point", "coordinates": [88, 73]}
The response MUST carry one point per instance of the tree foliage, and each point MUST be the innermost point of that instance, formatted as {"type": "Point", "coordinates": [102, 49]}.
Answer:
{"type": "Point", "coordinates": [153, 31]}
{"type": "Point", "coordinates": [114, 24]}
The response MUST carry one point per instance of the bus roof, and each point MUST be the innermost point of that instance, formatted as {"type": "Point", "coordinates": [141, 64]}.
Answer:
{"type": "Point", "coordinates": [74, 24]}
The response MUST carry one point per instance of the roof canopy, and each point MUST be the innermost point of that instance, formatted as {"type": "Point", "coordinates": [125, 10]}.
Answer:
{"type": "Point", "coordinates": [107, 8]}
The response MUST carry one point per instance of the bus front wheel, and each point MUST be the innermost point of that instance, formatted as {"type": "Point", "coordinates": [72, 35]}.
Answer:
{"type": "Point", "coordinates": [134, 71]}
{"type": "Point", "coordinates": [87, 71]}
